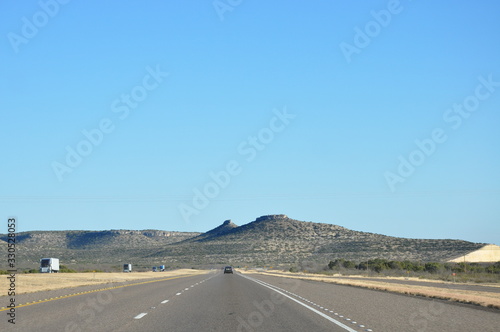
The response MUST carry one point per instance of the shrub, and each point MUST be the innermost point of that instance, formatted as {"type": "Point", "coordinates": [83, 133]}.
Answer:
{"type": "Point", "coordinates": [395, 265]}
{"type": "Point", "coordinates": [349, 264]}
{"type": "Point", "coordinates": [65, 269]}
{"type": "Point", "coordinates": [465, 272]}
{"type": "Point", "coordinates": [338, 263]}
{"type": "Point", "coordinates": [433, 267]}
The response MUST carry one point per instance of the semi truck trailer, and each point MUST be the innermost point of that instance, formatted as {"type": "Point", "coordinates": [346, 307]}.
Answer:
{"type": "Point", "coordinates": [49, 265]}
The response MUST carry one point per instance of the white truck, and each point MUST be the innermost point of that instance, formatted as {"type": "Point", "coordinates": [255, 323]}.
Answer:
{"type": "Point", "coordinates": [127, 267]}
{"type": "Point", "coordinates": [49, 265]}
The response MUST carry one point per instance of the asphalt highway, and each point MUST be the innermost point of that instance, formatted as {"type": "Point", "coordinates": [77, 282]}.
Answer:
{"type": "Point", "coordinates": [446, 285]}
{"type": "Point", "coordinates": [237, 302]}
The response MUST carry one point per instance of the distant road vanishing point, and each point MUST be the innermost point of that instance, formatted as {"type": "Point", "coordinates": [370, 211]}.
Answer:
{"type": "Point", "coordinates": [243, 302]}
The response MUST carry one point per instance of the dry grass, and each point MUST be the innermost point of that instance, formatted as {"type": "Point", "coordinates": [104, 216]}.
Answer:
{"type": "Point", "coordinates": [29, 283]}
{"type": "Point", "coordinates": [486, 299]}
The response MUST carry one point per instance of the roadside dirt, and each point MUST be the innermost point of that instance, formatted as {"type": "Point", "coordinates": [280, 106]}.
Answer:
{"type": "Point", "coordinates": [485, 299]}
{"type": "Point", "coordinates": [35, 282]}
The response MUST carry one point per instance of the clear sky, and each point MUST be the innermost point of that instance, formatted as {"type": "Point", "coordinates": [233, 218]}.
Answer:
{"type": "Point", "coordinates": [379, 116]}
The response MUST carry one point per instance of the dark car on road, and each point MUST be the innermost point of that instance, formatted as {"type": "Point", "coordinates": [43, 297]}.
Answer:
{"type": "Point", "coordinates": [228, 269]}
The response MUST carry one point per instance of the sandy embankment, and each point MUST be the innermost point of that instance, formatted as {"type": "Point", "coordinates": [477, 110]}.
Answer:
{"type": "Point", "coordinates": [486, 299]}
{"type": "Point", "coordinates": [29, 283]}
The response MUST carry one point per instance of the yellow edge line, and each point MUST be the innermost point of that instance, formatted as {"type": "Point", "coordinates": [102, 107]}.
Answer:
{"type": "Point", "coordinates": [93, 291]}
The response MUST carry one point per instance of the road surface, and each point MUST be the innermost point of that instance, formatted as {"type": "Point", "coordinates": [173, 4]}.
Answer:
{"type": "Point", "coordinates": [237, 302]}
{"type": "Point", "coordinates": [425, 283]}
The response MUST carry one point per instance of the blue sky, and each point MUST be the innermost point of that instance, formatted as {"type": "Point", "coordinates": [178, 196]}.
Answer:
{"type": "Point", "coordinates": [380, 116]}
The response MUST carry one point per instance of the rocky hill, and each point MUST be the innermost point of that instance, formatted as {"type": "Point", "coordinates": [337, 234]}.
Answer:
{"type": "Point", "coordinates": [91, 247]}
{"type": "Point", "coordinates": [225, 228]}
{"type": "Point", "coordinates": [277, 239]}
{"type": "Point", "coordinates": [269, 240]}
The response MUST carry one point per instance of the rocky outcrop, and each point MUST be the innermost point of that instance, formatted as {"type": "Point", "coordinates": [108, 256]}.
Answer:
{"type": "Point", "coordinates": [270, 217]}
{"type": "Point", "coordinates": [226, 227]}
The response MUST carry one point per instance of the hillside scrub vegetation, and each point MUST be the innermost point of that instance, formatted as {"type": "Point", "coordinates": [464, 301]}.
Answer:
{"type": "Point", "coordinates": [456, 272]}
{"type": "Point", "coordinates": [274, 240]}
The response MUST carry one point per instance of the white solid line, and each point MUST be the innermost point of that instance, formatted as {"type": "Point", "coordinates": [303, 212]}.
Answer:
{"type": "Point", "coordinates": [305, 305]}
{"type": "Point", "coordinates": [139, 316]}
{"type": "Point", "coordinates": [164, 301]}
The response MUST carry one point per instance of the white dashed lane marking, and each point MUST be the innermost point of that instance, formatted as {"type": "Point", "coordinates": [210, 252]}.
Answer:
{"type": "Point", "coordinates": [347, 320]}
{"type": "Point", "coordinates": [166, 301]}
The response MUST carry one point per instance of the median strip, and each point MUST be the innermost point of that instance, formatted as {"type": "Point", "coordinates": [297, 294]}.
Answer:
{"type": "Point", "coordinates": [94, 291]}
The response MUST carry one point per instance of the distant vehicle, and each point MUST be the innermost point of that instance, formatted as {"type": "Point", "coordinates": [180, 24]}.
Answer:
{"type": "Point", "coordinates": [127, 267]}
{"type": "Point", "coordinates": [162, 268]}
{"type": "Point", "coordinates": [228, 269]}
{"type": "Point", "coordinates": [155, 269]}
{"type": "Point", "coordinates": [49, 265]}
